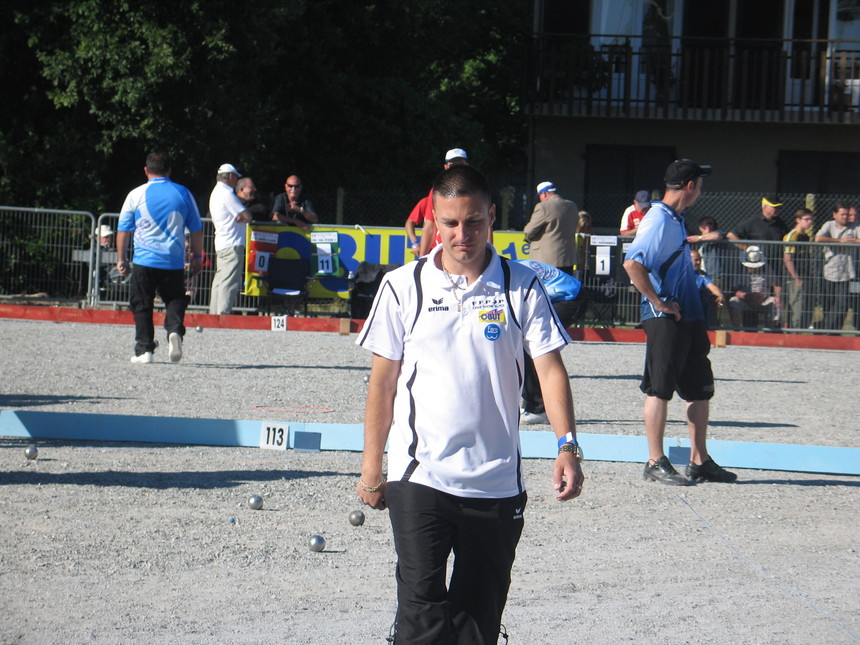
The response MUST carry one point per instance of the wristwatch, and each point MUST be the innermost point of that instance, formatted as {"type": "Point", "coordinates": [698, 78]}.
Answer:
{"type": "Point", "coordinates": [574, 448]}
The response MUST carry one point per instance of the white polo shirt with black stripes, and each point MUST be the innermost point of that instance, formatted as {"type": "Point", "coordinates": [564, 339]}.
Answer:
{"type": "Point", "coordinates": [456, 409]}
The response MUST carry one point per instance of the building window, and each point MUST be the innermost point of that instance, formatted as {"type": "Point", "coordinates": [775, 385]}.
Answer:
{"type": "Point", "coordinates": [567, 17]}
{"type": "Point", "coordinates": [614, 174]}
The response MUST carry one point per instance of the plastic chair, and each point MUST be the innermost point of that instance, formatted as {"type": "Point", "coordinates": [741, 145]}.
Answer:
{"type": "Point", "coordinates": [287, 285]}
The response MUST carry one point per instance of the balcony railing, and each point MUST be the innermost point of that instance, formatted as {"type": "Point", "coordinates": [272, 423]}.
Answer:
{"type": "Point", "coordinates": [812, 81]}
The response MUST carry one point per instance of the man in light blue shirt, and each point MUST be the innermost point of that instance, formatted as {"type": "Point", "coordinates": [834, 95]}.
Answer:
{"type": "Point", "coordinates": [676, 353]}
{"type": "Point", "coordinates": [157, 214]}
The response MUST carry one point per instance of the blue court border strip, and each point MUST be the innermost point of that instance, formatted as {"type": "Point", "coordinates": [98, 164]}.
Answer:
{"type": "Point", "coordinates": [350, 437]}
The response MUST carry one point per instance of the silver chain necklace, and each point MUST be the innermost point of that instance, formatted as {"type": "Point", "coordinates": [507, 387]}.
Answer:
{"type": "Point", "coordinates": [456, 286]}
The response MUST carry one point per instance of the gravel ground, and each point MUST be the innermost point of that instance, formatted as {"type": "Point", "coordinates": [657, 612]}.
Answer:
{"type": "Point", "coordinates": [127, 543]}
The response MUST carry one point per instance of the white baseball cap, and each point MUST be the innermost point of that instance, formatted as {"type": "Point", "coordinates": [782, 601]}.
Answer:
{"type": "Point", "coordinates": [228, 167]}
{"type": "Point", "coordinates": [105, 230]}
{"type": "Point", "coordinates": [545, 187]}
{"type": "Point", "coordinates": [455, 153]}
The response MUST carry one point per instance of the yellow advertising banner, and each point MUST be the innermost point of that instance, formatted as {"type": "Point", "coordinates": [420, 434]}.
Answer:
{"type": "Point", "coordinates": [378, 245]}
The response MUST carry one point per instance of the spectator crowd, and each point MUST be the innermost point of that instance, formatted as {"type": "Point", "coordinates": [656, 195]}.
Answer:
{"type": "Point", "coordinates": [765, 272]}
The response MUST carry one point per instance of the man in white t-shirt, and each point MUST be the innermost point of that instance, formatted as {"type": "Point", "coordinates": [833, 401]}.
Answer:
{"type": "Point", "coordinates": [448, 334]}
{"type": "Point", "coordinates": [229, 216]}
{"type": "Point", "coordinates": [838, 267]}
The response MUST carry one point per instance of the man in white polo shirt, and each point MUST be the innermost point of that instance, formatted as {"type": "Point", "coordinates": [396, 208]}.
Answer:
{"type": "Point", "coordinates": [229, 216]}
{"type": "Point", "coordinates": [448, 333]}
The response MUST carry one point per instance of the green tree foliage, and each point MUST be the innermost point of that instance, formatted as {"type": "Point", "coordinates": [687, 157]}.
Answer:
{"type": "Point", "coordinates": [347, 94]}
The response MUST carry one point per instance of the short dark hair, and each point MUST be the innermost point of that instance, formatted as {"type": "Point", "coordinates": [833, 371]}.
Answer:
{"type": "Point", "coordinates": [709, 221]}
{"type": "Point", "coordinates": [158, 163]}
{"type": "Point", "coordinates": [462, 181]}
{"type": "Point", "coordinates": [840, 205]}
{"type": "Point", "coordinates": [802, 212]}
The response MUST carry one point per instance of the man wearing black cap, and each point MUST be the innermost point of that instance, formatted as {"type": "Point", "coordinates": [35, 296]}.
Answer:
{"type": "Point", "coordinates": [677, 346]}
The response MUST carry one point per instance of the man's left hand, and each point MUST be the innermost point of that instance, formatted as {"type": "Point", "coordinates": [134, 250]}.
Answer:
{"type": "Point", "coordinates": [567, 477]}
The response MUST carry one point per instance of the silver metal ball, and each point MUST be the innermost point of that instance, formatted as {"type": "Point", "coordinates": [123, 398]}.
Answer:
{"type": "Point", "coordinates": [31, 452]}
{"type": "Point", "coordinates": [367, 378]}
{"type": "Point", "coordinates": [356, 518]}
{"type": "Point", "coordinates": [316, 543]}
{"type": "Point", "coordinates": [199, 328]}
{"type": "Point", "coordinates": [255, 502]}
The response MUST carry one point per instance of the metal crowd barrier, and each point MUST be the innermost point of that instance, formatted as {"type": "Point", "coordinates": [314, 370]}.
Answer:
{"type": "Point", "coordinates": [61, 256]}
{"type": "Point", "coordinates": [46, 253]}
{"type": "Point", "coordinates": [111, 289]}
{"type": "Point", "coordinates": [818, 305]}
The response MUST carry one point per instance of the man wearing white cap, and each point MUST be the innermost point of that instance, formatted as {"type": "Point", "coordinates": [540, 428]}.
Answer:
{"type": "Point", "coordinates": [551, 231]}
{"type": "Point", "coordinates": [229, 217]}
{"type": "Point", "coordinates": [422, 214]}
{"type": "Point", "coordinates": [105, 236]}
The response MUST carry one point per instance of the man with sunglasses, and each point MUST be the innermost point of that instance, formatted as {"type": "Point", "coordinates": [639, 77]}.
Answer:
{"type": "Point", "coordinates": [292, 208]}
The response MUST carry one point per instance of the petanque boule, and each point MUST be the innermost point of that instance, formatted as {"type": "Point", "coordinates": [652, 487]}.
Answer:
{"type": "Point", "coordinates": [255, 502]}
{"type": "Point", "coordinates": [367, 378]}
{"type": "Point", "coordinates": [31, 452]}
{"type": "Point", "coordinates": [199, 328]}
{"type": "Point", "coordinates": [356, 518]}
{"type": "Point", "coordinates": [316, 543]}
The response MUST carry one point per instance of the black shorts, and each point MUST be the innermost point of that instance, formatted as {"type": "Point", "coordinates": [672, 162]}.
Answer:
{"type": "Point", "coordinates": [676, 360]}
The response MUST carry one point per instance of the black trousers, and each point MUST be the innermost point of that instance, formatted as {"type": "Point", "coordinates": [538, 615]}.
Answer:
{"type": "Point", "coordinates": [569, 312]}
{"type": "Point", "coordinates": [145, 283]}
{"type": "Point", "coordinates": [483, 534]}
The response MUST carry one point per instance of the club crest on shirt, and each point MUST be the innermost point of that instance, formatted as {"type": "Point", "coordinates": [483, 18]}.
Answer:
{"type": "Point", "coordinates": [492, 315]}
{"type": "Point", "coordinates": [492, 332]}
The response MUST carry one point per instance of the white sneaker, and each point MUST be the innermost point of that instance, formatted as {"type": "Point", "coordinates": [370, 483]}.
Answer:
{"type": "Point", "coordinates": [174, 342]}
{"type": "Point", "coordinates": [146, 357]}
{"type": "Point", "coordinates": [530, 418]}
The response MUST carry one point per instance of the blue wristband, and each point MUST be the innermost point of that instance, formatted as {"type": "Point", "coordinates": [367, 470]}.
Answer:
{"type": "Point", "coordinates": [568, 438]}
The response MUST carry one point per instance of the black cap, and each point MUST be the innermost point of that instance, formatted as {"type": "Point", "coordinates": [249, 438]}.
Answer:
{"type": "Point", "coordinates": [682, 171]}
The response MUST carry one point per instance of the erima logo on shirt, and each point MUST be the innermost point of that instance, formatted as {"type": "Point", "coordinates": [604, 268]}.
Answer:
{"type": "Point", "coordinates": [438, 306]}
{"type": "Point", "coordinates": [518, 514]}
{"type": "Point", "coordinates": [495, 315]}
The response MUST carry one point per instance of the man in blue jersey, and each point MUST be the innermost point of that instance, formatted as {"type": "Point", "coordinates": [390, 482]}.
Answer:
{"type": "Point", "coordinates": [567, 298]}
{"type": "Point", "coordinates": [158, 213]}
{"type": "Point", "coordinates": [677, 346]}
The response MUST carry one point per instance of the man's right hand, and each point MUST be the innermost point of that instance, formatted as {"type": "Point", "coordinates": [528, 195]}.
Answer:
{"type": "Point", "coordinates": [123, 267]}
{"type": "Point", "coordinates": [670, 308]}
{"type": "Point", "coordinates": [373, 498]}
